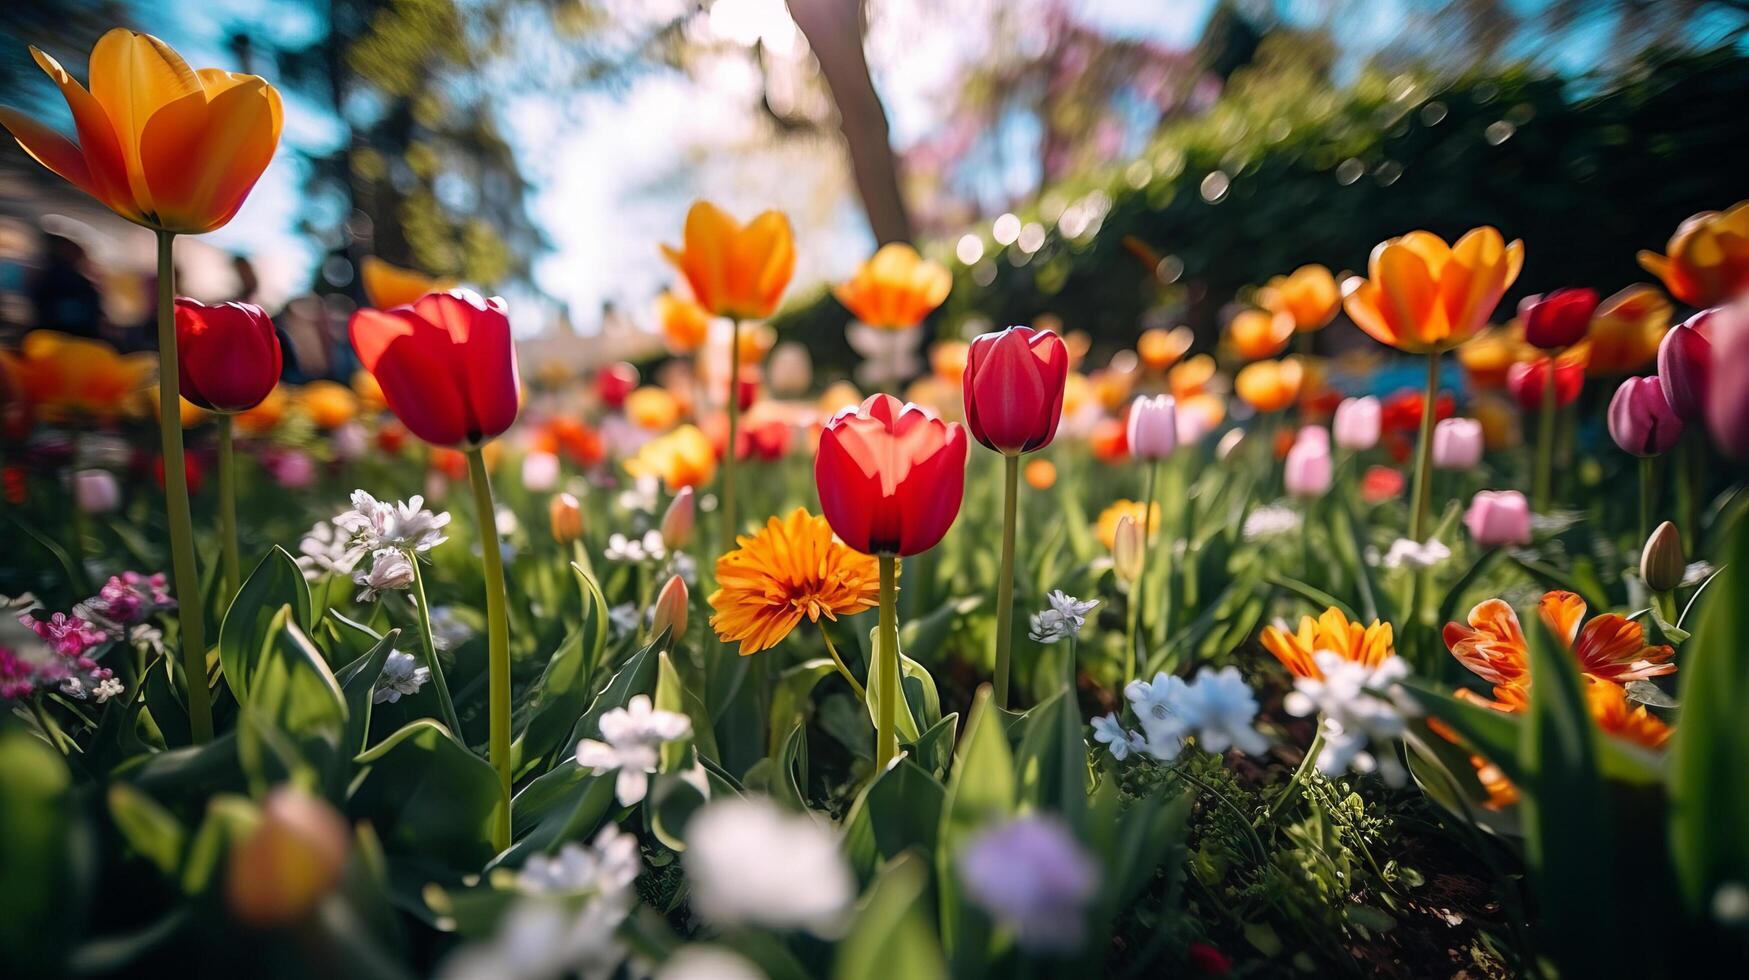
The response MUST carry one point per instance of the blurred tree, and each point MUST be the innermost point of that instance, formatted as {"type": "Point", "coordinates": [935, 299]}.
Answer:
{"type": "Point", "coordinates": [69, 27]}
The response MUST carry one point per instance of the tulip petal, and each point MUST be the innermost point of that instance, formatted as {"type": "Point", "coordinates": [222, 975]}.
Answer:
{"type": "Point", "coordinates": [1562, 612]}
{"type": "Point", "coordinates": [479, 329]}
{"type": "Point", "coordinates": [133, 76]}
{"type": "Point", "coordinates": [1409, 295]}
{"type": "Point", "coordinates": [844, 473]}
{"type": "Point", "coordinates": [202, 158]}
{"type": "Point", "coordinates": [767, 246]}
{"type": "Point", "coordinates": [1362, 305]}
{"type": "Point", "coordinates": [98, 141]}
{"type": "Point", "coordinates": [50, 149]}
{"type": "Point", "coordinates": [413, 361]}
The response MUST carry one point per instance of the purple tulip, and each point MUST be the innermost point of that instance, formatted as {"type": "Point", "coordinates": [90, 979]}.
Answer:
{"type": "Point", "coordinates": [1641, 420]}
{"type": "Point", "coordinates": [1498, 517]}
{"type": "Point", "coordinates": [1457, 444]}
{"type": "Point", "coordinates": [1357, 423]}
{"type": "Point", "coordinates": [1685, 365]}
{"type": "Point", "coordinates": [1032, 876]}
{"type": "Point", "coordinates": [1153, 427]}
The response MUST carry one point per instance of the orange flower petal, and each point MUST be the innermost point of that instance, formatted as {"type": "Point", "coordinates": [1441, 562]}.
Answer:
{"type": "Point", "coordinates": [202, 158]}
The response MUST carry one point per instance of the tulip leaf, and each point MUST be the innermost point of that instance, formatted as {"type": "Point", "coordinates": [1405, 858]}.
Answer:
{"type": "Point", "coordinates": [566, 804]}
{"type": "Point", "coordinates": [291, 686]}
{"type": "Point", "coordinates": [1052, 761]}
{"type": "Point", "coordinates": [152, 831]}
{"type": "Point", "coordinates": [427, 795]}
{"type": "Point", "coordinates": [899, 810]}
{"type": "Point", "coordinates": [791, 694]}
{"type": "Point", "coordinates": [890, 936]}
{"type": "Point", "coordinates": [37, 849]}
{"type": "Point", "coordinates": [358, 682]}
{"type": "Point", "coordinates": [243, 636]}
{"type": "Point", "coordinates": [980, 790]}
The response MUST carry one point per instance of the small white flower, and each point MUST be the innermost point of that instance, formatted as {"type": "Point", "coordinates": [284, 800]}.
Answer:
{"type": "Point", "coordinates": [448, 631]}
{"type": "Point", "coordinates": [606, 867]}
{"type": "Point", "coordinates": [643, 494]}
{"type": "Point", "coordinates": [1065, 617]}
{"type": "Point", "coordinates": [1269, 521]}
{"type": "Point", "coordinates": [106, 689]}
{"type": "Point", "coordinates": [623, 618]}
{"type": "Point", "coordinates": [378, 525]}
{"type": "Point", "coordinates": [388, 570]}
{"type": "Point", "coordinates": [647, 548]}
{"type": "Point", "coordinates": [325, 549]}
{"type": "Point", "coordinates": [402, 676]}
{"type": "Point", "coordinates": [1118, 739]}
{"type": "Point", "coordinates": [545, 938]}
{"type": "Point", "coordinates": [1222, 710]}
{"type": "Point", "coordinates": [701, 962]}
{"type": "Point", "coordinates": [1160, 707]}
{"type": "Point", "coordinates": [633, 737]}
{"type": "Point", "coordinates": [749, 861]}
{"type": "Point", "coordinates": [1359, 707]}
{"type": "Point", "coordinates": [1412, 554]}
{"type": "Point", "coordinates": [73, 687]}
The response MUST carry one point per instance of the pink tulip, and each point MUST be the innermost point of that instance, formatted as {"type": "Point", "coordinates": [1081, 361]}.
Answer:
{"type": "Point", "coordinates": [1457, 444]}
{"type": "Point", "coordinates": [1153, 427]}
{"type": "Point", "coordinates": [292, 469]}
{"type": "Point", "coordinates": [1727, 406]}
{"type": "Point", "coordinates": [1641, 420]}
{"type": "Point", "coordinates": [96, 491]}
{"type": "Point", "coordinates": [1685, 365]}
{"type": "Point", "coordinates": [1498, 517]}
{"type": "Point", "coordinates": [1357, 423]}
{"type": "Point", "coordinates": [540, 472]}
{"type": "Point", "coordinates": [1308, 469]}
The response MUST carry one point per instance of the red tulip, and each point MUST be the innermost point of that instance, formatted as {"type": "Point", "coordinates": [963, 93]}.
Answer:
{"type": "Point", "coordinates": [1014, 388]}
{"type": "Point", "coordinates": [1640, 420]}
{"type": "Point", "coordinates": [1558, 319]}
{"type": "Point", "coordinates": [228, 355]}
{"type": "Point", "coordinates": [890, 476]}
{"type": "Point", "coordinates": [445, 363]}
{"type": "Point", "coordinates": [1528, 381]}
{"type": "Point", "coordinates": [1685, 363]}
{"type": "Point", "coordinates": [614, 382]}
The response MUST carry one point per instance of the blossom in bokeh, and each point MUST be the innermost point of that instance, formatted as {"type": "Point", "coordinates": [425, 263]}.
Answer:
{"type": "Point", "coordinates": [735, 270]}
{"type": "Point", "coordinates": [1309, 468]}
{"type": "Point", "coordinates": [683, 457]}
{"type": "Point", "coordinates": [1152, 432]}
{"type": "Point", "coordinates": [1685, 358]}
{"type": "Point", "coordinates": [1160, 348]}
{"type": "Point", "coordinates": [386, 285]}
{"type": "Point", "coordinates": [1423, 296]}
{"type": "Point", "coordinates": [1359, 706]}
{"type": "Point", "coordinates": [652, 408]}
{"type": "Point", "coordinates": [1309, 295]}
{"type": "Point", "coordinates": [1256, 334]}
{"type": "Point", "coordinates": [1368, 646]}
{"type": "Point", "coordinates": [1625, 331]}
{"type": "Point", "coordinates": [1528, 380]}
{"type": "Point", "coordinates": [1270, 386]}
{"type": "Point", "coordinates": [1498, 518]}
{"type": "Point", "coordinates": [281, 869]}
{"type": "Point", "coordinates": [62, 375]}
{"type": "Point", "coordinates": [749, 861]}
{"type": "Point", "coordinates": [1409, 553]}
{"type": "Point", "coordinates": [1106, 526]}
{"type": "Point", "coordinates": [896, 288]}
{"type": "Point", "coordinates": [1488, 355]}
{"type": "Point", "coordinates": [685, 325]}
{"type": "Point", "coordinates": [631, 743]}
{"type": "Point", "coordinates": [1190, 376]}
{"type": "Point", "coordinates": [1641, 421]}
{"type": "Point", "coordinates": [96, 491]}
{"type": "Point", "coordinates": [1381, 483]}
{"type": "Point", "coordinates": [1033, 878]}
{"type": "Point", "coordinates": [1457, 444]}
{"type": "Point", "coordinates": [1557, 319]}
{"type": "Point", "coordinates": [1040, 474]}
{"type": "Point", "coordinates": [1707, 260]}
{"type": "Point", "coordinates": [792, 568]}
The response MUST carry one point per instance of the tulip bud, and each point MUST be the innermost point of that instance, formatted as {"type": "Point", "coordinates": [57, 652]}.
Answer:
{"type": "Point", "coordinates": [1308, 470]}
{"type": "Point", "coordinates": [1640, 420]}
{"type": "Point", "coordinates": [1558, 319]}
{"type": "Point", "coordinates": [1457, 444]}
{"type": "Point", "coordinates": [293, 857]}
{"type": "Point", "coordinates": [671, 608]}
{"type": "Point", "coordinates": [1126, 550]}
{"type": "Point", "coordinates": [540, 472]}
{"type": "Point", "coordinates": [1358, 422]}
{"type": "Point", "coordinates": [614, 382]}
{"type": "Point", "coordinates": [1662, 564]}
{"type": "Point", "coordinates": [1013, 388]}
{"type": "Point", "coordinates": [1685, 361]}
{"type": "Point", "coordinates": [678, 520]}
{"type": "Point", "coordinates": [1497, 518]}
{"type": "Point", "coordinates": [566, 517]}
{"type": "Point", "coordinates": [1153, 427]}
{"type": "Point", "coordinates": [96, 491]}
{"type": "Point", "coordinates": [228, 354]}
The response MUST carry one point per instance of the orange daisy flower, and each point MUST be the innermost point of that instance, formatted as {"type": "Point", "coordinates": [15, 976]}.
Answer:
{"type": "Point", "coordinates": [1368, 645]}
{"type": "Point", "coordinates": [793, 567]}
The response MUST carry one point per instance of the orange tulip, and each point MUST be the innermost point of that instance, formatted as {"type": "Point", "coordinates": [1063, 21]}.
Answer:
{"type": "Point", "coordinates": [896, 288]}
{"type": "Point", "coordinates": [264, 416]}
{"type": "Point", "coordinates": [948, 360]}
{"type": "Point", "coordinates": [1487, 356]}
{"type": "Point", "coordinates": [652, 408]}
{"type": "Point", "coordinates": [159, 143]}
{"type": "Point", "coordinates": [387, 285]}
{"type": "Point", "coordinates": [685, 324]}
{"type": "Point", "coordinates": [328, 403]}
{"type": "Point", "coordinates": [1041, 474]}
{"type": "Point", "coordinates": [735, 270]}
{"type": "Point", "coordinates": [1626, 331]}
{"type": "Point", "coordinates": [66, 375]}
{"type": "Point", "coordinates": [1309, 295]}
{"type": "Point", "coordinates": [1708, 258]}
{"type": "Point", "coordinates": [1270, 386]}
{"type": "Point", "coordinates": [1257, 334]}
{"type": "Point", "coordinates": [1159, 348]}
{"type": "Point", "coordinates": [1191, 377]}
{"type": "Point", "coordinates": [1423, 296]}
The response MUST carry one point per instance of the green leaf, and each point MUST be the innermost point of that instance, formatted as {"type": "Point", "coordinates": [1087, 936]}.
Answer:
{"type": "Point", "coordinates": [1709, 784]}
{"type": "Point", "coordinates": [243, 636]}
{"type": "Point", "coordinates": [357, 682]}
{"type": "Point", "coordinates": [890, 936]}
{"type": "Point", "coordinates": [1317, 597]}
{"type": "Point", "coordinates": [638, 676]}
{"type": "Point", "coordinates": [563, 690]}
{"type": "Point", "coordinates": [565, 804]}
{"type": "Point", "coordinates": [291, 685]}
{"type": "Point", "coordinates": [1052, 761]}
{"type": "Point", "coordinates": [922, 702]}
{"type": "Point", "coordinates": [981, 790]}
{"type": "Point", "coordinates": [669, 807]}
{"type": "Point", "coordinates": [427, 795]}
{"type": "Point", "coordinates": [149, 829]}
{"type": "Point", "coordinates": [924, 635]}
{"type": "Point", "coordinates": [899, 810]}
{"type": "Point", "coordinates": [1493, 734]}
{"type": "Point", "coordinates": [228, 818]}
{"type": "Point", "coordinates": [37, 827]}
{"type": "Point", "coordinates": [791, 694]}
{"type": "Point", "coordinates": [933, 750]}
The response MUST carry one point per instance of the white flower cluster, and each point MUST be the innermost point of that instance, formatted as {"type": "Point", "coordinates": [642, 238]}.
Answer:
{"type": "Point", "coordinates": [632, 739]}
{"type": "Point", "coordinates": [607, 867]}
{"type": "Point", "coordinates": [1064, 617]}
{"type": "Point", "coordinates": [402, 676]}
{"type": "Point", "coordinates": [1360, 707]}
{"type": "Point", "coordinates": [647, 548]}
{"type": "Point", "coordinates": [1217, 708]}
{"type": "Point", "coordinates": [1269, 521]}
{"type": "Point", "coordinates": [1406, 553]}
{"type": "Point", "coordinates": [393, 534]}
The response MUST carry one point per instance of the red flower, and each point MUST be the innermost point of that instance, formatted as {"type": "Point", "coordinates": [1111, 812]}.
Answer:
{"type": "Point", "coordinates": [228, 354]}
{"type": "Point", "coordinates": [446, 365]}
{"type": "Point", "coordinates": [1110, 441]}
{"type": "Point", "coordinates": [192, 470]}
{"type": "Point", "coordinates": [1558, 319]}
{"type": "Point", "coordinates": [1381, 483]}
{"type": "Point", "coordinates": [890, 476]}
{"type": "Point", "coordinates": [1014, 388]}
{"type": "Point", "coordinates": [614, 382]}
{"type": "Point", "coordinates": [1207, 960]}
{"type": "Point", "coordinates": [1401, 412]}
{"type": "Point", "coordinates": [1528, 380]}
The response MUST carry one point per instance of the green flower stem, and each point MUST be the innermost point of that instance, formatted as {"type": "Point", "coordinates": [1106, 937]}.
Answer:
{"type": "Point", "coordinates": [727, 492]}
{"type": "Point", "coordinates": [1542, 480]}
{"type": "Point", "coordinates": [886, 667]}
{"type": "Point", "coordinates": [1129, 645]}
{"type": "Point", "coordinates": [1648, 495]}
{"type": "Point", "coordinates": [1287, 792]}
{"type": "Point", "coordinates": [498, 644]}
{"type": "Point", "coordinates": [1421, 506]}
{"type": "Point", "coordinates": [1139, 591]}
{"type": "Point", "coordinates": [446, 705]}
{"type": "Point", "coordinates": [855, 685]}
{"type": "Point", "coordinates": [1005, 577]}
{"type": "Point", "coordinates": [185, 579]}
{"type": "Point", "coordinates": [228, 507]}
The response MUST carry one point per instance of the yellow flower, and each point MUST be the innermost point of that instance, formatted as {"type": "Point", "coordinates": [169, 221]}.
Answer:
{"type": "Point", "coordinates": [159, 143]}
{"type": "Point", "coordinates": [685, 324]}
{"type": "Point", "coordinates": [653, 408]}
{"type": "Point", "coordinates": [735, 270]}
{"type": "Point", "coordinates": [1423, 296]}
{"type": "Point", "coordinates": [328, 403]}
{"type": "Point", "coordinates": [65, 375]}
{"type": "Point", "coordinates": [682, 458]}
{"type": "Point", "coordinates": [387, 285]}
{"type": "Point", "coordinates": [1708, 260]}
{"type": "Point", "coordinates": [896, 288]}
{"type": "Point", "coordinates": [948, 360]}
{"type": "Point", "coordinates": [263, 417]}
{"type": "Point", "coordinates": [1106, 528]}
{"type": "Point", "coordinates": [1626, 331]}
{"type": "Point", "coordinates": [1490, 354]}
{"type": "Point", "coordinates": [1270, 386]}
{"type": "Point", "coordinates": [1258, 334]}
{"type": "Point", "coordinates": [793, 567]}
{"type": "Point", "coordinates": [1309, 295]}
{"type": "Point", "coordinates": [1369, 646]}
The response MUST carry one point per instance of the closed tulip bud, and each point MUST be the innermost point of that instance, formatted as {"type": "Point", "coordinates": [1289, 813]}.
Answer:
{"type": "Point", "coordinates": [890, 476]}
{"type": "Point", "coordinates": [1685, 364]}
{"type": "Point", "coordinates": [1126, 550]}
{"type": "Point", "coordinates": [540, 472]}
{"type": "Point", "coordinates": [228, 355]}
{"type": "Point", "coordinates": [96, 491]}
{"type": "Point", "coordinates": [1358, 423]}
{"type": "Point", "coordinates": [446, 365]}
{"type": "Point", "coordinates": [1558, 319]}
{"type": "Point", "coordinates": [1153, 427]}
{"type": "Point", "coordinates": [1497, 518]}
{"type": "Point", "coordinates": [1457, 444]}
{"type": "Point", "coordinates": [566, 517]}
{"type": "Point", "coordinates": [1641, 421]}
{"type": "Point", "coordinates": [1662, 564]}
{"type": "Point", "coordinates": [678, 520]}
{"type": "Point", "coordinates": [1528, 381]}
{"type": "Point", "coordinates": [294, 857]}
{"type": "Point", "coordinates": [1308, 470]}
{"type": "Point", "coordinates": [1013, 388]}
{"type": "Point", "coordinates": [671, 608]}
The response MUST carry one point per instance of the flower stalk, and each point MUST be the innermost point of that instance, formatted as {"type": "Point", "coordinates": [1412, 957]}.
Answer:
{"type": "Point", "coordinates": [1542, 479]}
{"type": "Point", "coordinates": [445, 704]}
{"type": "Point", "coordinates": [497, 644]}
{"type": "Point", "coordinates": [185, 579]}
{"type": "Point", "coordinates": [1005, 578]}
{"type": "Point", "coordinates": [734, 410]}
{"type": "Point", "coordinates": [843, 669]}
{"type": "Point", "coordinates": [886, 670]}
{"type": "Point", "coordinates": [1422, 504]}
{"type": "Point", "coordinates": [228, 507]}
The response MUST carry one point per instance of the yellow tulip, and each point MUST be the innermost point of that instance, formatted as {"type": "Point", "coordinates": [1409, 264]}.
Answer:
{"type": "Point", "coordinates": [948, 360]}
{"type": "Point", "coordinates": [896, 288]}
{"type": "Point", "coordinates": [369, 392]}
{"type": "Point", "coordinates": [682, 458]}
{"type": "Point", "coordinates": [685, 324]}
{"type": "Point", "coordinates": [1309, 295]}
{"type": "Point", "coordinates": [652, 408]}
{"type": "Point", "coordinates": [1626, 331]}
{"type": "Point", "coordinates": [735, 270]}
{"type": "Point", "coordinates": [1708, 258]}
{"type": "Point", "coordinates": [1257, 334]}
{"type": "Point", "coordinates": [65, 375]}
{"type": "Point", "coordinates": [1270, 386]}
{"type": "Point", "coordinates": [161, 144]}
{"type": "Point", "coordinates": [1423, 296]}
{"type": "Point", "coordinates": [1490, 354]}
{"type": "Point", "coordinates": [387, 285]}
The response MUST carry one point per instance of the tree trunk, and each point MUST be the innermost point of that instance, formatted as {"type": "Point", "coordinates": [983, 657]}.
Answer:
{"type": "Point", "coordinates": [834, 29]}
